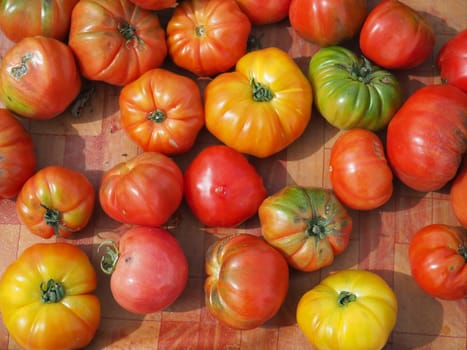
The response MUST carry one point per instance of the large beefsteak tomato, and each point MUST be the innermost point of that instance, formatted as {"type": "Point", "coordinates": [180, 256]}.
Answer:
{"type": "Point", "coordinates": [39, 77]}
{"type": "Point", "coordinates": [56, 201]}
{"type": "Point", "coordinates": [261, 107]}
{"type": "Point", "coordinates": [116, 41]}
{"type": "Point", "coordinates": [162, 111]}
{"type": "Point", "coordinates": [309, 226]}
{"type": "Point", "coordinates": [17, 155]}
{"type": "Point", "coordinates": [47, 300]}
{"type": "Point", "coordinates": [458, 194]}
{"type": "Point", "coordinates": [351, 92]}
{"type": "Point", "coordinates": [144, 190]}
{"type": "Point", "coordinates": [438, 261]}
{"type": "Point", "coordinates": [427, 137]}
{"type": "Point", "coordinates": [452, 61]}
{"type": "Point", "coordinates": [207, 37]}
{"type": "Point", "coordinates": [247, 281]}
{"type": "Point", "coordinates": [395, 36]}
{"type": "Point", "coordinates": [348, 310]}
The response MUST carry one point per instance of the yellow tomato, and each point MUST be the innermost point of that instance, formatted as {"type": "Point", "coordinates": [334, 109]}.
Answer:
{"type": "Point", "coordinates": [348, 310]}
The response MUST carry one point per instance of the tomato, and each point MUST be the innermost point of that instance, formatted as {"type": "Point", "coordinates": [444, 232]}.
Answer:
{"type": "Point", "coordinates": [17, 155]}
{"type": "Point", "coordinates": [265, 12]}
{"type": "Point", "coordinates": [426, 139]}
{"type": "Point", "coordinates": [458, 194]}
{"type": "Point", "coordinates": [55, 201]}
{"type": "Point", "coordinates": [47, 300]}
{"type": "Point", "coordinates": [148, 269]}
{"type": "Point", "coordinates": [327, 22]}
{"type": "Point", "coordinates": [348, 310]}
{"type": "Point", "coordinates": [144, 190]}
{"type": "Point", "coordinates": [261, 107]}
{"type": "Point", "coordinates": [207, 37]}
{"type": "Point", "coordinates": [116, 41]}
{"type": "Point", "coordinates": [155, 4]}
{"type": "Point", "coordinates": [47, 18]}
{"type": "Point", "coordinates": [360, 174]}
{"type": "Point", "coordinates": [162, 111]}
{"type": "Point", "coordinates": [222, 188]}
{"type": "Point", "coordinates": [452, 61]}
{"type": "Point", "coordinates": [23, 88]}
{"type": "Point", "coordinates": [309, 226]}
{"type": "Point", "coordinates": [247, 281]}
{"type": "Point", "coordinates": [395, 36]}
{"type": "Point", "coordinates": [351, 92]}
{"type": "Point", "coordinates": [438, 261]}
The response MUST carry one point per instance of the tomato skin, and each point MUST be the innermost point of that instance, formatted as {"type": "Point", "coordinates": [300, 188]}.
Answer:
{"type": "Point", "coordinates": [55, 201]}
{"type": "Point", "coordinates": [69, 323]}
{"type": "Point", "coordinates": [360, 174]}
{"type": "Point", "coordinates": [426, 139]}
{"type": "Point", "coordinates": [17, 155]}
{"type": "Point", "coordinates": [351, 92]}
{"type": "Point", "coordinates": [162, 111]}
{"type": "Point", "coordinates": [327, 22]}
{"type": "Point", "coordinates": [144, 190]}
{"type": "Point", "coordinates": [437, 257]}
{"type": "Point", "coordinates": [247, 281]}
{"type": "Point", "coordinates": [458, 194]}
{"type": "Point", "coordinates": [395, 36]}
{"type": "Point", "coordinates": [116, 41]}
{"type": "Point", "coordinates": [240, 112]}
{"type": "Point", "coordinates": [207, 37]}
{"type": "Point", "coordinates": [452, 61]}
{"type": "Point", "coordinates": [309, 226]}
{"type": "Point", "coordinates": [23, 88]}
{"type": "Point", "coordinates": [155, 4]}
{"type": "Point", "coordinates": [222, 188]}
{"type": "Point", "coordinates": [331, 320]}
{"type": "Point", "coordinates": [265, 12]}
{"type": "Point", "coordinates": [151, 270]}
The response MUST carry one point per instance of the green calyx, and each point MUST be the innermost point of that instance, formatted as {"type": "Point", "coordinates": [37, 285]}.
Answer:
{"type": "Point", "coordinates": [345, 298]}
{"type": "Point", "coordinates": [52, 291]}
{"type": "Point", "coordinates": [462, 251]}
{"type": "Point", "coordinates": [129, 33]}
{"type": "Point", "coordinates": [21, 69]}
{"type": "Point", "coordinates": [110, 258]}
{"type": "Point", "coordinates": [260, 92]}
{"type": "Point", "coordinates": [157, 116]}
{"type": "Point", "coordinates": [53, 218]}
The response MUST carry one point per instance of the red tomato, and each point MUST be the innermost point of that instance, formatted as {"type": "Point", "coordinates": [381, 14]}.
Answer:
{"type": "Point", "coordinates": [458, 194]}
{"type": "Point", "coordinates": [394, 35]}
{"type": "Point", "coordinates": [207, 37]}
{"type": "Point", "coordinates": [327, 22]}
{"type": "Point", "coordinates": [116, 41]}
{"type": "Point", "coordinates": [55, 201]}
{"type": "Point", "coordinates": [222, 188]}
{"type": "Point", "coordinates": [39, 78]}
{"type": "Point", "coordinates": [145, 190]}
{"type": "Point", "coordinates": [155, 4]}
{"type": "Point", "coordinates": [452, 61]}
{"type": "Point", "coordinates": [438, 261]}
{"type": "Point", "coordinates": [265, 12]}
{"type": "Point", "coordinates": [247, 281]}
{"type": "Point", "coordinates": [426, 138]}
{"type": "Point", "coordinates": [148, 268]}
{"type": "Point", "coordinates": [360, 174]}
{"type": "Point", "coordinates": [162, 111]}
{"type": "Point", "coordinates": [17, 155]}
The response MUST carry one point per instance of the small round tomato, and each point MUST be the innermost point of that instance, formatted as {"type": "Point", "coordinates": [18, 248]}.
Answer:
{"type": "Point", "coordinates": [56, 201]}
{"type": "Point", "coordinates": [247, 281]}
{"type": "Point", "coordinates": [162, 111]}
{"type": "Point", "coordinates": [452, 61]}
{"type": "Point", "coordinates": [360, 174]}
{"type": "Point", "coordinates": [207, 37]}
{"type": "Point", "coordinates": [265, 12]}
{"type": "Point", "coordinates": [47, 300]}
{"type": "Point", "coordinates": [309, 226]}
{"type": "Point", "coordinates": [222, 188]}
{"type": "Point", "coordinates": [145, 190]}
{"type": "Point", "coordinates": [39, 77]}
{"type": "Point", "coordinates": [17, 155]}
{"type": "Point", "coordinates": [327, 22]}
{"type": "Point", "coordinates": [395, 36]}
{"type": "Point", "coordinates": [148, 269]}
{"type": "Point", "coordinates": [438, 261]}
{"type": "Point", "coordinates": [155, 4]}
{"type": "Point", "coordinates": [348, 310]}
{"type": "Point", "coordinates": [458, 194]}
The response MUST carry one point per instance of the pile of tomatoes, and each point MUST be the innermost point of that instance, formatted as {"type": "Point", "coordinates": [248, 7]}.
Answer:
{"type": "Point", "coordinates": [256, 103]}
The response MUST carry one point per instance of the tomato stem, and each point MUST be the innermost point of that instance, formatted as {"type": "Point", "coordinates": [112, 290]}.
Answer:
{"type": "Point", "coordinates": [129, 33]}
{"type": "Point", "coordinates": [345, 297]}
{"type": "Point", "coordinates": [462, 250]}
{"type": "Point", "coordinates": [200, 31]}
{"type": "Point", "coordinates": [157, 116]}
{"type": "Point", "coordinates": [261, 93]}
{"type": "Point", "coordinates": [52, 292]}
{"type": "Point", "coordinates": [21, 69]}
{"type": "Point", "coordinates": [52, 218]}
{"type": "Point", "coordinates": [110, 258]}
{"type": "Point", "coordinates": [361, 71]}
